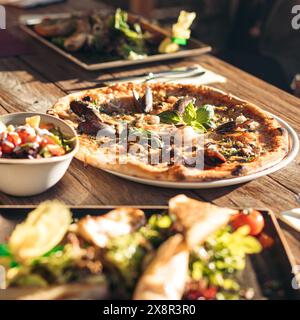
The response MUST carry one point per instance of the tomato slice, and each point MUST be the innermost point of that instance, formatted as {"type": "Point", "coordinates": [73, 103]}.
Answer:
{"type": "Point", "coordinates": [56, 150]}
{"type": "Point", "coordinates": [47, 126]}
{"type": "Point", "coordinates": [253, 218]}
{"type": "Point", "coordinates": [46, 140]}
{"type": "Point", "coordinates": [265, 240]}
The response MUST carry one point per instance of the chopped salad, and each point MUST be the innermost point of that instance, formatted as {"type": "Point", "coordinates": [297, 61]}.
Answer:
{"type": "Point", "coordinates": [33, 140]}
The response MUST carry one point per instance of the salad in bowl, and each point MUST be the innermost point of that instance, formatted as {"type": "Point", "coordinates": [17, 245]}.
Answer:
{"type": "Point", "coordinates": [36, 148]}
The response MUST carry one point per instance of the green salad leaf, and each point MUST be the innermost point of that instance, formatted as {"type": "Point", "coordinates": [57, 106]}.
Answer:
{"type": "Point", "coordinates": [125, 254]}
{"type": "Point", "coordinates": [157, 229]}
{"type": "Point", "coordinates": [6, 257]}
{"type": "Point", "coordinates": [131, 44]}
{"type": "Point", "coordinates": [121, 18]}
{"type": "Point", "coordinates": [170, 117]}
{"type": "Point", "coordinates": [54, 250]}
{"type": "Point", "coordinates": [222, 256]}
{"type": "Point", "coordinates": [59, 41]}
{"type": "Point", "coordinates": [4, 250]}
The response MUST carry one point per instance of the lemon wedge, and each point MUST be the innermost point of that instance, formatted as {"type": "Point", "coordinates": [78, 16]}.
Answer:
{"type": "Point", "coordinates": [167, 46]}
{"type": "Point", "coordinates": [43, 229]}
{"type": "Point", "coordinates": [34, 121]}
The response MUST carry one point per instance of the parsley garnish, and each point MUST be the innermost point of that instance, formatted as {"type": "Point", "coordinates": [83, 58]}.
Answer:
{"type": "Point", "coordinates": [200, 119]}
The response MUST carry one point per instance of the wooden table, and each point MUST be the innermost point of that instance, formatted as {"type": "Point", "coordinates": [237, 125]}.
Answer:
{"type": "Point", "coordinates": [36, 81]}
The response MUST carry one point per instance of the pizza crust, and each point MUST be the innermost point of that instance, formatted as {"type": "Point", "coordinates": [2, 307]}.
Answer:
{"type": "Point", "coordinates": [276, 136]}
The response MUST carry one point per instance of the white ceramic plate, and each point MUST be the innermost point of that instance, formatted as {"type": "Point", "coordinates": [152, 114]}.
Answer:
{"type": "Point", "coordinates": [294, 148]}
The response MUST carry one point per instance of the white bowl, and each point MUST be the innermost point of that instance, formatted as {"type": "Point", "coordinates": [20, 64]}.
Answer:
{"type": "Point", "coordinates": [28, 177]}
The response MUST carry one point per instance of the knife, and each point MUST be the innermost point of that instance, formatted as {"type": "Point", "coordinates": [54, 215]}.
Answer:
{"type": "Point", "coordinates": [292, 218]}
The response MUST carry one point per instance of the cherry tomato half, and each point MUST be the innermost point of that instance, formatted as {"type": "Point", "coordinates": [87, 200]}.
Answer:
{"type": "Point", "coordinates": [210, 293]}
{"type": "Point", "coordinates": [252, 218]}
{"type": "Point", "coordinates": [7, 147]}
{"type": "Point", "coordinates": [14, 138]}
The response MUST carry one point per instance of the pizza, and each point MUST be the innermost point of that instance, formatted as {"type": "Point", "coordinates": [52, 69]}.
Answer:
{"type": "Point", "coordinates": [230, 136]}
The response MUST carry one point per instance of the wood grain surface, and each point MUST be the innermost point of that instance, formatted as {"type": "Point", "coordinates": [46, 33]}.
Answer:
{"type": "Point", "coordinates": [34, 82]}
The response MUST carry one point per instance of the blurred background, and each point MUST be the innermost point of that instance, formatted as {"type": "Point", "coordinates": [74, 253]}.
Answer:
{"type": "Point", "coordinates": [254, 35]}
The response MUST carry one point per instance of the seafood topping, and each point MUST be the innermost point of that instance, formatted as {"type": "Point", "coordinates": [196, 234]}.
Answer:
{"type": "Point", "coordinates": [226, 127]}
{"type": "Point", "coordinates": [93, 121]}
{"type": "Point", "coordinates": [182, 103]}
{"type": "Point", "coordinates": [90, 127]}
{"type": "Point", "coordinates": [79, 38]}
{"type": "Point", "coordinates": [212, 155]}
{"type": "Point", "coordinates": [137, 101]}
{"type": "Point", "coordinates": [83, 109]}
{"type": "Point", "coordinates": [145, 103]}
{"type": "Point", "coordinates": [148, 100]}
{"type": "Point", "coordinates": [79, 107]}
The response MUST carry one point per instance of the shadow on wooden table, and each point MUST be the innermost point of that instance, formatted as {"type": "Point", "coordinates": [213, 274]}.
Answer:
{"type": "Point", "coordinates": [213, 194]}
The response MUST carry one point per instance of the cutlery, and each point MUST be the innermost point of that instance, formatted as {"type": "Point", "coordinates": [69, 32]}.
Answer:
{"type": "Point", "coordinates": [292, 217]}
{"type": "Point", "coordinates": [28, 4]}
{"type": "Point", "coordinates": [168, 74]}
{"type": "Point", "coordinates": [175, 77]}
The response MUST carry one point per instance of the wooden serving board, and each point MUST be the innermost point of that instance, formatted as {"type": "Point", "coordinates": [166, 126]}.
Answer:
{"type": "Point", "coordinates": [93, 62]}
{"type": "Point", "coordinates": [268, 273]}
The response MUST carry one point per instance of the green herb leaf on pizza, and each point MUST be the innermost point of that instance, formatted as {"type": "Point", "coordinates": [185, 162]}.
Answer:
{"type": "Point", "coordinates": [205, 114]}
{"type": "Point", "coordinates": [170, 117]}
{"type": "Point", "coordinates": [190, 114]}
